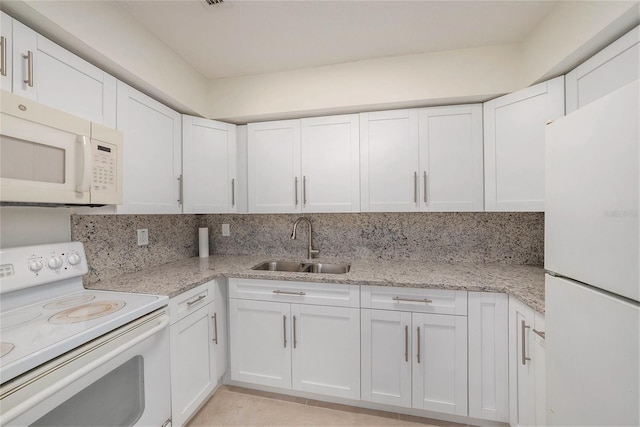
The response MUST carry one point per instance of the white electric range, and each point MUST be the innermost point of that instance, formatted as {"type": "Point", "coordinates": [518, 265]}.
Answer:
{"type": "Point", "coordinates": [48, 319]}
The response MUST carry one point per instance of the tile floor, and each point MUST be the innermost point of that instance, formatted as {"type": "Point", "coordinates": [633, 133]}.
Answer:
{"type": "Point", "coordinates": [235, 406]}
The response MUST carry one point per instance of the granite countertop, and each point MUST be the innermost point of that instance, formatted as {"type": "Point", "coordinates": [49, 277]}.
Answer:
{"type": "Point", "coordinates": [522, 281]}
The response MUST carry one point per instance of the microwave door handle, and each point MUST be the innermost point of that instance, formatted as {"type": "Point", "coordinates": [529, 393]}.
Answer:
{"type": "Point", "coordinates": [84, 165]}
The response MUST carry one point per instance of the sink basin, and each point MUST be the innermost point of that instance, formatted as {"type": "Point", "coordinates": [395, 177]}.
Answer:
{"type": "Point", "coordinates": [280, 266]}
{"type": "Point", "coordinates": [303, 267]}
{"type": "Point", "coordinates": [322, 267]}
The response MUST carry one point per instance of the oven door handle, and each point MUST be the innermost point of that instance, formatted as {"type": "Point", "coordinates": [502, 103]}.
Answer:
{"type": "Point", "coordinates": [53, 389]}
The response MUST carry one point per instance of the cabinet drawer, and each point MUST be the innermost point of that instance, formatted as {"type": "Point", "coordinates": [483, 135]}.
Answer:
{"type": "Point", "coordinates": [436, 301]}
{"type": "Point", "coordinates": [336, 295]}
{"type": "Point", "coordinates": [190, 301]}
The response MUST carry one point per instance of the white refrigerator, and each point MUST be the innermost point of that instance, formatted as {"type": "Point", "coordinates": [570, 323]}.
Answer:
{"type": "Point", "coordinates": [592, 289]}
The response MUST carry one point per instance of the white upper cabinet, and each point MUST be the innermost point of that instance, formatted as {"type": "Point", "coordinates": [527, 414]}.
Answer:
{"type": "Point", "coordinates": [6, 51]}
{"type": "Point", "coordinates": [422, 160]}
{"type": "Point", "coordinates": [451, 160]}
{"type": "Point", "coordinates": [613, 67]}
{"type": "Point", "coordinates": [152, 154]}
{"type": "Point", "coordinates": [274, 167]}
{"type": "Point", "coordinates": [308, 165]}
{"type": "Point", "coordinates": [209, 166]}
{"type": "Point", "coordinates": [514, 136]}
{"type": "Point", "coordinates": [330, 164]}
{"type": "Point", "coordinates": [47, 73]}
{"type": "Point", "coordinates": [389, 161]}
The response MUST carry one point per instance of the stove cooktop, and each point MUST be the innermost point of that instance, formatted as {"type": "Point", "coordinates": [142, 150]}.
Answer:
{"type": "Point", "coordinates": [45, 311]}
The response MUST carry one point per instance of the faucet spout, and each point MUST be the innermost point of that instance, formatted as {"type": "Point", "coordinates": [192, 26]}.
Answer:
{"type": "Point", "coordinates": [311, 252]}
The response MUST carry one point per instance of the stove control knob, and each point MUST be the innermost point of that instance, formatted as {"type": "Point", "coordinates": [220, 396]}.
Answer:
{"type": "Point", "coordinates": [35, 266]}
{"type": "Point", "coordinates": [73, 259]}
{"type": "Point", "coordinates": [55, 262]}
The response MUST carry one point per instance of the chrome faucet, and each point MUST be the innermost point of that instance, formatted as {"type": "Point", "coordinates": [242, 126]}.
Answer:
{"type": "Point", "coordinates": [312, 251]}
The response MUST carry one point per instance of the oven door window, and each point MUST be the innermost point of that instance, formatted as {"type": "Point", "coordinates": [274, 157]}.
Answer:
{"type": "Point", "coordinates": [116, 399]}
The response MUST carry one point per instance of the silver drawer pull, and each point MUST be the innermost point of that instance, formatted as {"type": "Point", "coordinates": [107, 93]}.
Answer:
{"type": "Point", "coordinates": [541, 334]}
{"type": "Point", "coordinates": [190, 303]}
{"type": "Point", "coordinates": [424, 300]}
{"type": "Point", "coordinates": [299, 294]}
{"type": "Point", "coordinates": [523, 330]}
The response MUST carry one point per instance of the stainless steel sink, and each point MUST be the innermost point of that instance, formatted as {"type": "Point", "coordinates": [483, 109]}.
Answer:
{"type": "Point", "coordinates": [280, 266]}
{"type": "Point", "coordinates": [304, 267]}
{"type": "Point", "coordinates": [326, 268]}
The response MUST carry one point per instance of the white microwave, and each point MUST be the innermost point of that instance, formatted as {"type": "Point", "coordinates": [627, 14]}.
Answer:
{"type": "Point", "coordinates": [51, 157]}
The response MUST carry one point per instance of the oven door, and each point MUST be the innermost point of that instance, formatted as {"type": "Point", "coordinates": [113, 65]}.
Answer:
{"type": "Point", "coordinates": [119, 379]}
{"type": "Point", "coordinates": [45, 154]}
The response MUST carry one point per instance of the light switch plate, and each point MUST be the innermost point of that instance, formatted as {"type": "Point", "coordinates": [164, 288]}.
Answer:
{"type": "Point", "coordinates": [226, 231]}
{"type": "Point", "coordinates": [143, 236]}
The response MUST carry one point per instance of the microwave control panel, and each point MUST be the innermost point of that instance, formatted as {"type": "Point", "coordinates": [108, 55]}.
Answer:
{"type": "Point", "coordinates": [105, 167]}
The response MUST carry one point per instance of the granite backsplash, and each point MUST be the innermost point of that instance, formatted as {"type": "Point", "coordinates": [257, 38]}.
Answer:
{"type": "Point", "coordinates": [479, 237]}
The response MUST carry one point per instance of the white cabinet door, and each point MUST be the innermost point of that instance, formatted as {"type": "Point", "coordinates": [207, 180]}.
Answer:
{"type": "Point", "coordinates": [389, 161]}
{"type": "Point", "coordinates": [209, 166]}
{"type": "Point", "coordinates": [61, 79]}
{"type": "Point", "coordinates": [152, 154]}
{"type": "Point", "coordinates": [260, 339]}
{"type": "Point", "coordinates": [539, 360]}
{"type": "Point", "coordinates": [326, 350]}
{"type": "Point", "coordinates": [6, 52]}
{"type": "Point", "coordinates": [220, 324]}
{"type": "Point", "coordinates": [386, 357]}
{"type": "Point", "coordinates": [330, 164]}
{"type": "Point", "coordinates": [522, 400]}
{"type": "Point", "coordinates": [451, 158]}
{"type": "Point", "coordinates": [613, 67]}
{"type": "Point", "coordinates": [193, 365]}
{"type": "Point", "coordinates": [274, 167]}
{"type": "Point", "coordinates": [514, 136]}
{"type": "Point", "coordinates": [489, 356]}
{"type": "Point", "coordinates": [440, 363]}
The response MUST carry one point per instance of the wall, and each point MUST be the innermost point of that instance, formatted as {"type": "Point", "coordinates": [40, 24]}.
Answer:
{"type": "Point", "coordinates": [105, 34]}
{"type": "Point", "coordinates": [110, 241]}
{"type": "Point", "coordinates": [26, 226]}
{"type": "Point", "coordinates": [451, 77]}
{"type": "Point", "coordinates": [483, 237]}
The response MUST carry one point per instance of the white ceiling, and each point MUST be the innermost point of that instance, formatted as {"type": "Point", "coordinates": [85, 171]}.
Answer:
{"type": "Point", "coordinates": [239, 38]}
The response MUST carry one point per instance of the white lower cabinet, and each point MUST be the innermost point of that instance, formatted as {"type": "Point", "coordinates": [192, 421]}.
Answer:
{"type": "Point", "coordinates": [489, 356]}
{"type": "Point", "coordinates": [412, 357]}
{"type": "Point", "coordinates": [193, 359]}
{"type": "Point", "coordinates": [526, 365]}
{"type": "Point", "coordinates": [299, 346]}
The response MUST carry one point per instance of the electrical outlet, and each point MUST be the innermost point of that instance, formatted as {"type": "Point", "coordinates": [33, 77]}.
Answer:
{"type": "Point", "coordinates": [143, 236]}
{"type": "Point", "coordinates": [226, 231]}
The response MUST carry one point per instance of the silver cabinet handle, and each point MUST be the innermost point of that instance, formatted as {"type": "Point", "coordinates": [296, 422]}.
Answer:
{"type": "Point", "coordinates": [295, 341]}
{"type": "Point", "coordinates": [298, 294]}
{"type": "Point", "coordinates": [284, 330]}
{"type": "Point", "coordinates": [233, 192]}
{"type": "Point", "coordinates": [3, 56]}
{"type": "Point", "coordinates": [296, 189]}
{"type": "Point", "coordinates": [415, 187]}
{"type": "Point", "coordinates": [304, 190]}
{"type": "Point", "coordinates": [418, 344]}
{"type": "Point", "coordinates": [180, 189]}
{"type": "Point", "coordinates": [167, 423]}
{"type": "Point", "coordinates": [215, 327]}
{"type": "Point", "coordinates": [541, 334]}
{"type": "Point", "coordinates": [406, 343]}
{"type": "Point", "coordinates": [425, 187]}
{"type": "Point", "coordinates": [29, 58]}
{"type": "Point", "coordinates": [200, 298]}
{"type": "Point", "coordinates": [424, 300]}
{"type": "Point", "coordinates": [523, 329]}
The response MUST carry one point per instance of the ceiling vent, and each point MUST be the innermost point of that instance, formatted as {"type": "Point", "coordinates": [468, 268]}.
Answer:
{"type": "Point", "coordinates": [212, 2]}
